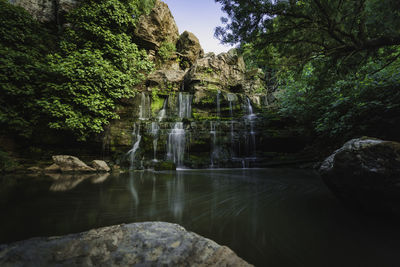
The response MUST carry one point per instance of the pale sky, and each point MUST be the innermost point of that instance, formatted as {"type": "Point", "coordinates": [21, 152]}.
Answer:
{"type": "Point", "coordinates": [200, 17]}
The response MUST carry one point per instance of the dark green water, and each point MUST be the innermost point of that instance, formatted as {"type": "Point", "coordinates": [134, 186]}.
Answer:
{"type": "Point", "coordinates": [269, 217]}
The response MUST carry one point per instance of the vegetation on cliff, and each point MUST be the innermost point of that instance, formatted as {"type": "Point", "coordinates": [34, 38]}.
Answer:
{"type": "Point", "coordinates": [336, 63]}
{"type": "Point", "coordinates": [69, 80]}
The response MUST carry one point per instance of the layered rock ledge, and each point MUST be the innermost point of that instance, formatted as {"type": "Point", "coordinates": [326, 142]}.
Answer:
{"type": "Point", "coordinates": [141, 244]}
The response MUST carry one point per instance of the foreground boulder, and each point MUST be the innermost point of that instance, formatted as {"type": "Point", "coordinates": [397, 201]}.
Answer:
{"type": "Point", "coordinates": [144, 244]}
{"type": "Point", "coordinates": [365, 172]}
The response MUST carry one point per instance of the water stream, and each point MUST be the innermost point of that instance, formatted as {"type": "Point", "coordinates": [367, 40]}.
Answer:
{"type": "Point", "coordinates": [176, 144]}
{"type": "Point", "coordinates": [269, 217]}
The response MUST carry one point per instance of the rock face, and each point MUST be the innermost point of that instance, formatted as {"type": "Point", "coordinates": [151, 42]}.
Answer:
{"type": "Point", "coordinates": [166, 79]}
{"type": "Point", "coordinates": [366, 172]}
{"type": "Point", "coordinates": [225, 71]}
{"type": "Point", "coordinates": [71, 164]}
{"type": "Point", "coordinates": [158, 27]}
{"type": "Point", "coordinates": [189, 48]}
{"type": "Point", "coordinates": [144, 244]}
{"type": "Point", "coordinates": [46, 10]}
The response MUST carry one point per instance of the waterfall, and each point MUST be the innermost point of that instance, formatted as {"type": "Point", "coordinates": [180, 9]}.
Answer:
{"type": "Point", "coordinates": [231, 98]}
{"type": "Point", "coordinates": [136, 138]}
{"type": "Point", "coordinates": [250, 144]}
{"type": "Point", "coordinates": [145, 107]}
{"type": "Point", "coordinates": [176, 144]}
{"type": "Point", "coordinates": [185, 105]}
{"type": "Point", "coordinates": [214, 151]}
{"type": "Point", "coordinates": [218, 104]}
{"type": "Point", "coordinates": [163, 111]}
{"type": "Point", "coordinates": [155, 128]}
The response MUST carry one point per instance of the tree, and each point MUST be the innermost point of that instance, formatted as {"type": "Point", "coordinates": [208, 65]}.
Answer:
{"type": "Point", "coordinates": [303, 30]}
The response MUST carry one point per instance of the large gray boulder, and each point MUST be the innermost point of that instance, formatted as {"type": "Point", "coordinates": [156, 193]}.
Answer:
{"type": "Point", "coordinates": [46, 10]}
{"type": "Point", "coordinates": [157, 27]}
{"type": "Point", "coordinates": [225, 71]}
{"type": "Point", "coordinates": [138, 244]}
{"type": "Point", "coordinates": [365, 172]}
{"type": "Point", "coordinates": [189, 49]}
{"type": "Point", "coordinates": [71, 164]}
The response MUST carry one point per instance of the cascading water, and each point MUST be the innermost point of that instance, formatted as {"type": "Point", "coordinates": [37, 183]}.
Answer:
{"type": "Point", "coordinates": [218, 104]}
{"type": "Point", "coordinates": [185, 105]}
{"type": "Point", "coordinates": [214, 149]}
{"type": "Point", "coordinates": [144, 107]}
{"type": "Point", "coordinates": [231, 99]}
{"type": "Point", "coordinates": [176, 144]}
{"type": "Point", "coordinates": [155, 128]}
{"type": "Point", "coordinates": [136, 138]}
{"type": "Point", "coordinates": [163, 112]}
{"type": "Point", "coordinates": [250, 136]}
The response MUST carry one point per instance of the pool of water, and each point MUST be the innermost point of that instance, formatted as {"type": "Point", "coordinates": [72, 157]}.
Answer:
{"type": "Point", "coordinates": [269, 217]}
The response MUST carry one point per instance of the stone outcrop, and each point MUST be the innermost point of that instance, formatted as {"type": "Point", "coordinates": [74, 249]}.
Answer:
{"type": "Point", "coordinates": [68, 163]}
{"type": "Point", "coordinates": [144, 244]}
{"type": "Point", "coordinates": [46, 10]}
{"type": "Point", "coordinates": [189, 49]}
{"type": "Point", "coordinates": [225, 71]}
{"type": "Point", "coordinates": [158, 27]}
{"type": "Point", "coordinates": [365, 172]}
{"type": "Point", "coordinates": [166, 79]}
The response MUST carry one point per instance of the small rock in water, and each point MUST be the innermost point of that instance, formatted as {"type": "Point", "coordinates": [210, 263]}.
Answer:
{"type": "Point", "coordinates": [100, 165]}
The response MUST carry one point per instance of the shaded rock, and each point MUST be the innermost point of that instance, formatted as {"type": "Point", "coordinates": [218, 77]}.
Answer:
{"type": "Point", "coordinates": [145, 244]}
{"type": "Point", "coordinates": [166, 79]}
{"type": "Point", "coordinates": [34, 169]}
{"type": "Point", "coordinates": [157, 27]}
{"type": "Point", "coordinates": [189, 49]}
{"type": "Point", "coordinates": [164, 166]}
{"type": "Point", "coordinates": [365, 172]}
{"type": "Point", "coordinates": [225, 71]}
{"type": "Point", "coordinates": [71, 164]}
{"type": "Point", "coordinates": [46, 10]}
{"type": "Point", "coordinates": [100, 166]}
{"type": "Point", "coordinates": [53, 168]}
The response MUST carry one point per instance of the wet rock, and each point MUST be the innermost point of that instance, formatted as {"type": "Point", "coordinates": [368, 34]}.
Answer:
{"type": "Point", "coordinates": [189, 49]}
{"type": "Point", "coordinates": [34, 169]}
{"type": "Point", "coordinates": [71, 164]}
{"type": "Point", "coordinates": [100, 166]}
{"type": "Point", "coordinates": [157, 27]}
{"type": "Point", "coordinates": [144, 244]}
{"type": "Point", "coordinates": [164, 166]}
{"type": "Point", "coordinates": [365, 172]}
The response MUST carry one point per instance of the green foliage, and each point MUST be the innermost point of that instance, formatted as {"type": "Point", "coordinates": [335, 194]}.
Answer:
{"type": "Point", "coordinates": [336, 63]}
{"type": "Point", "coordinates": [6, 162]}
{"type": "Point", "coordinates": [77, 85]}
{"type": "Point", "coordinates": [166, 51]}
{"type": "Point", "coordinates": [23, 46]}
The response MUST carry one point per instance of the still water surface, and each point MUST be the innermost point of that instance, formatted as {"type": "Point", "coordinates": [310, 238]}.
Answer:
{"type": "Point", "coordinates": [269, 217]}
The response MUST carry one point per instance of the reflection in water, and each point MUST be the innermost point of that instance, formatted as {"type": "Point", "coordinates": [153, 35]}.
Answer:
{"type": "Point", "coordinates": [176, 196]}
{"type": "Point", "coordinates": [100, 178]}
{"type": "Point", "coordinates": [269, 217]}
{"type": "Point", "coordinates": [132, 189]}
{"type": "Point", "coordinates": [66, 182]}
